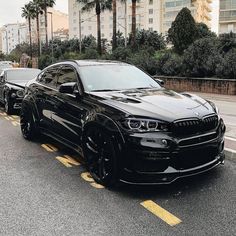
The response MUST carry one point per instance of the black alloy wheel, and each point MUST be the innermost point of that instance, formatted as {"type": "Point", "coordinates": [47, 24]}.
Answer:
{"type": "Point", "coordinates": [28, 127]}
{"type": "Point", "coordinates": [100, 156]}
{"type": "Point", "coordinates": [8, 105]}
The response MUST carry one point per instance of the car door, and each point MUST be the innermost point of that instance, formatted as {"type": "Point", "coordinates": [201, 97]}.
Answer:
{"type": "Point", "coordinates": [44, 91]}
{"type": "Point", "coordinates": [69, 110]}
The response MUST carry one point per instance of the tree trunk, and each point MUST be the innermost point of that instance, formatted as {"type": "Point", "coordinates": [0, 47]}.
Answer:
{"type": "Point", "coordinates": [133, 31]}
{"type": "Point", "coordinates": [30, 38]}
{"type": "Point", "coordinates": [98, 12]}
{"type": "Point", "coordinates": [46, 22]}
{"type": "Point", "coordinates": [99, 35]}
{"type": "Point", "coordinates": [38, 36]}
{"type": "Point", "coordinates": [114, 41]}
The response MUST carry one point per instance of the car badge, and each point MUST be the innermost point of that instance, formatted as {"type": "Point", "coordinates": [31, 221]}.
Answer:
{"type": "Point", "coordinates": [196, 113]}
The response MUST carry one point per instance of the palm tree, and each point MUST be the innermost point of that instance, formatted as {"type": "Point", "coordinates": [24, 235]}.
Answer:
{"type": "Point", "coordinates": [99, 6]}
{"type": "Point", "coordinates": [114, 11]}
{"type": "Point", "coordinates": [37, 11]}
{"type": "Point", "coordinates": [44, 4]}
{"type": "Point", "coordinates": [27, 13]}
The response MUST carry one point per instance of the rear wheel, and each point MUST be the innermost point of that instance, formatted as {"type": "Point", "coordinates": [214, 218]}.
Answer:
{"type": "Point", "coordinates": [29, 128]}
{"type": "Point", "coordinates": [100, 156]}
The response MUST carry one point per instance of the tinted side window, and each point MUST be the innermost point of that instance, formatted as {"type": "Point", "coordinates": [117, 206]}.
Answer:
{"type": "Point", "coordinates": [49, 77]}
{"type": "Point", "coordinates": [66, 74]}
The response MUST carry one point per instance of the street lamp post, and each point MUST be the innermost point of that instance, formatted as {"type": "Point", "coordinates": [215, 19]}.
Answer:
{"type": "Point", "coordinates": [80, 28]}
{"type": "Point", "coordinates": [52, 33]}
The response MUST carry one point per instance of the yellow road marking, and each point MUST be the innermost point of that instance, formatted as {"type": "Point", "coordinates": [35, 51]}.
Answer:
{"type": "Point", "coordinates": [49, 147]}
{"type": "Point", "coordinates": [67, 161]}
{"type": "Point", "coordinates": [87, 177]}
{"type": "Point", "coordinates": [161, 212]}
{"type": "Point", "coordinates": [7, 118]}
{"type": "Point", "coordinates": [15, 123]}
{"type": "Point", "coordinates": [98, 186]}
{"type": "Point", "coordinates": [10, 118]}
{"type": "Point", "coordinates": [15, 117]}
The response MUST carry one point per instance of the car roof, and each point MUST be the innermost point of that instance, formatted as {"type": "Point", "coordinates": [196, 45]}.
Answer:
{"type": "Point", "coordinates": [91, 62]}
{"type": "Point", "coordinates": [98, 62]}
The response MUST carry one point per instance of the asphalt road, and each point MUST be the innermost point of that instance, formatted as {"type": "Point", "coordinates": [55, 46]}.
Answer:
{"type": "Point", "coordinates": [46, 191]}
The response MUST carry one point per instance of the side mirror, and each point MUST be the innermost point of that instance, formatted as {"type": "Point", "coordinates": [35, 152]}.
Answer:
{"type": "Point", "coordinates": [70, 88]}
{"type": "Point", "coordinates": [67, 88]}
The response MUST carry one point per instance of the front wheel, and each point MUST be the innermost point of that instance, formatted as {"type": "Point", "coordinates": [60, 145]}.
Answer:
{"type": "Point", "coordinates": [28, 126]}
{"type": "Point", "coordinates": [100, 155]}
{"type": "Point", "coordinates": [8, 105]}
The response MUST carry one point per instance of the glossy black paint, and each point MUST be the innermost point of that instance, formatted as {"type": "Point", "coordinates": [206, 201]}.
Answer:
{"type": "Point", "coordinates": [144, 158]}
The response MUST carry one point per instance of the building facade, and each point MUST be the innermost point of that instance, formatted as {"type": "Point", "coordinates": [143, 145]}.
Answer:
{"type": "Point", "coordinates": [150, 14]}
{"type": "Point", "coordinates": [200, 10]}
{"type": "Point", "coordinates": [57, 21]}
{"type": "Point", "coordinates": [12, 35]}
{"type": "Point", "coordinates": [227, 18]}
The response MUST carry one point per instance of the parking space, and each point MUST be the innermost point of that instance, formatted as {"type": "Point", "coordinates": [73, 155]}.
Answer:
{"type": "Point", "coordinates": [46, 190]}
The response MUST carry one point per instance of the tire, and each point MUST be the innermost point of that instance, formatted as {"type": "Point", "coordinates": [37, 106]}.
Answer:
{"type": "Point", "coordinates": [8, 106]}
{"type": "Point", "coordinates": [100, 156]}
{"type": "Point", "coordinates": [29, 128]}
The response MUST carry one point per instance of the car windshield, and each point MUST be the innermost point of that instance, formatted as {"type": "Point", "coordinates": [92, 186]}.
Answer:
{"type": "Point", "coordinates": [21, 75]}
{"type": "Point", "coordinates": [115, 77]}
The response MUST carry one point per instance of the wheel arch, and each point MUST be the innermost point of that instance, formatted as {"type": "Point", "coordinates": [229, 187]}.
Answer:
{"type": "Point", "coordinates": [29, 101]}
{"type": "Point", "coordinates": [108, 125]}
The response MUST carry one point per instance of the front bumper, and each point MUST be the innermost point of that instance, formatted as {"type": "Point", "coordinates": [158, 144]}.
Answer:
{"type": "Point", "coordinates": [160, 158]}
{"type": "Point", "coordinates": [16, 103]}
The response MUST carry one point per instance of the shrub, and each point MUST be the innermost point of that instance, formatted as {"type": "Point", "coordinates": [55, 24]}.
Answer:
{"type": "Point", "coordinates": [148, 38]}
{"type": "Point", "coordinates": [90, 54]}
{"type": "Point", "coordinates": [202, 58]}
{"type": "Point", "coordinates": [145, 61]}
{"type": "Point", "coordinates": [169, 64]}
{"type": "Point", "coordinates": [227, 68]}
{"type": "Point", "coordinates": [183, 31]}
{"type": "Point", "coordinates": [121, 54]}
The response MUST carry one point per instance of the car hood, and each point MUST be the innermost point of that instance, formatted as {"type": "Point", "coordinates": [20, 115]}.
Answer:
{"type": "Point", "coordinates": [16, 85]}
{"type": "Point", "coordinates": [156, 103]}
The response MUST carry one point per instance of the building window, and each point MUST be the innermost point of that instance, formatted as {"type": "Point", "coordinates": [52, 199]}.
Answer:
{"type": "Point", "coordinates": [150, 20]}
{"type": "Point", "coordinates": [74, 21]}
{"type": "Point", "coordinates": [102, 19]}
{"type": "Point", "coordinates": [90, 27]}
{"type": "Point", "coordinates": [150, 11]}
{"type": "Point", "coordinates": [102, 26]}
{"type": "Point", "coordinates": [102, 35]}
{"type": "Point", "coordinates": [150, 2]}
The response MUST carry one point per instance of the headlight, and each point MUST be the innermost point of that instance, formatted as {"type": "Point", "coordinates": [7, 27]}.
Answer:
{"type": "Point", "coordinates": [216, 109]}
{"type": "Point", "coordinates": [20, 93]}
{"type": "Point", "coordinates": [143, 125]}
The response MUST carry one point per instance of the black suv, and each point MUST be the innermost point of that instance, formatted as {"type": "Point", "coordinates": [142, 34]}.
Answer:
{"type": "Point", "coordinates": [123, 123]}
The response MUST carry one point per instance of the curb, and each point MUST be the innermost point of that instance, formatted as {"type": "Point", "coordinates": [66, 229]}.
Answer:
{"type": "Point", "coordinates": [230, 154]}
